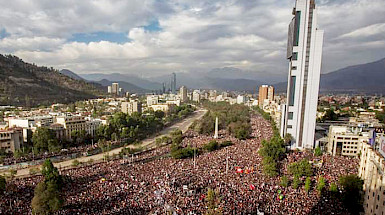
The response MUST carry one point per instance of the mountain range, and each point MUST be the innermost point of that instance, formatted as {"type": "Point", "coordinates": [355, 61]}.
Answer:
{"type": "Point", "coordinates": [366, 78]}
{"type": "Point", "coordinates": [363, 78]}
{"type": "Point", "coordinates": [26, 84]}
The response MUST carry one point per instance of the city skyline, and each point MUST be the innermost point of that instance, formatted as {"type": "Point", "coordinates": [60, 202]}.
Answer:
{"type": "Point", "coordinates": [155, 43]}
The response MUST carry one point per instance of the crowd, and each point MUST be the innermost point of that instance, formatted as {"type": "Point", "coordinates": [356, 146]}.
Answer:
{"type": "Point", "coordinates": [141, 185]}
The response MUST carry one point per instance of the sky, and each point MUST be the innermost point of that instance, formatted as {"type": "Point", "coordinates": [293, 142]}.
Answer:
{"type": "Point", "coordinates": [156, 37]}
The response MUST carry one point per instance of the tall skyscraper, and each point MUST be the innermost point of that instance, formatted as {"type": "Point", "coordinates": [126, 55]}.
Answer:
{"type": "Point", "coordinates": [173, 83]}
{"type": "Point", "coordinates": [304, 52]}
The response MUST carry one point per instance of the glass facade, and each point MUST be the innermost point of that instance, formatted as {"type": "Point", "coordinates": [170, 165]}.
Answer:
{"type": "Point", "coordinates": [297, 24]}
{"type": "Point", "coordinates": [292, 90]}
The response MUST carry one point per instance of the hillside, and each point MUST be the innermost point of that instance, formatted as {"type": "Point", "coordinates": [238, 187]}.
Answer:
{"type": "Point", "coordinates": [23, 83]}
{"type": "Point", "coordinates": [71, 74]}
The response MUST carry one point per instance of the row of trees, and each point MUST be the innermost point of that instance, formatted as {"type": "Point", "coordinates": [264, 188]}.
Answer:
{"type": "Point", "coordinates": [234, 118]}
{"type": "Point", "coordinates": [138, 126]}
{"type": "Point", "coordinates": [380, 115]}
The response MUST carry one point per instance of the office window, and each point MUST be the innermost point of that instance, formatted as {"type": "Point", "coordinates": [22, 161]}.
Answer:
{"type": "Point", "coordinates": [290, 115]}
{"type": "Point", "coordinates": [296, 28]}
{"type": "Point", "coordinates": [293, 68]}
{"type": "Point", "coordinates": [295, 56]}
{"type": "Point", "coordinates": [289, 126]}
{"type": "Point", "coordinates": [292, 90]}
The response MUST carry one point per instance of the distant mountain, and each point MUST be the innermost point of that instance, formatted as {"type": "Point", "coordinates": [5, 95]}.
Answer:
{"type": "Point", "coordinates": [116, 77]}
{"type": "Point", "coordinates": [364, 78]}
{"type": "Point", "coordinates": [71, 74]}
{"type": "Point", "coordinates": [23, 83]}
{"type": "Point", "coordinates": [233, 84]}
{"type": "Point", "coordinates": [125, 85]}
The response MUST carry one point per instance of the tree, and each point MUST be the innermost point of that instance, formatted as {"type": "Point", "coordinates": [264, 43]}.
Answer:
{"type": "Point", "coordinates": [321, 184]}
{"type": "Point", "coordinates": [296, 182]}
{"type": "Point", "coordinates": [159, 114]}
{"type": "Point", "coordinates": [284, 181]}
{"type": "Point", "coordinates": [47, 199]}
{"type": "Point", "coordinates": [307, 184]}
{"type": "Point", "coordinates": [3, 184]}
{"type": "Point", "coordinates": [211, 146]}
{"type": "Point", "coordinates": [78, 137]}
{"type": "Point", "coordinates": [44, 140]}
{"type": "Point", "coordinates": [287, 139]}
{"type": "Point", "coordinates": [330, 115]}
{"type": "Point", "coordinates": [317, 151]}
{"type": "Point", "coordinates": [333, 188]}
{"type": "Point", "coordinates": [352, 192]}
{"type": "Point", "coordinates": [269, 166]}
{"type": "Point", "coordinates": [51, 173]}
{"type": "Point", "coordinates": [301, 168]}
{"type": "Point", "coordinates": [213, 200]}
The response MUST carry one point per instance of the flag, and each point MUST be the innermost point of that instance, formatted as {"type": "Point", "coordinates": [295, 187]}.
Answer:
{"type": "Point", "coordinates": [252, 187]}
{"type": "Point", "coordinates": [239, 170]}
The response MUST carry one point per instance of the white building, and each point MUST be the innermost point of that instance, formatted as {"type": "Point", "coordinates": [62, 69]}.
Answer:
{"type": "Point", "coordinates": [304, 53]}
{"type": "Point", "coordinates": [196, 96]}
{"type": "Point", "coordinates": [241, 99]}
{"type": "Point", "coordinates": [152, 100]}
{"type": "Point", "coordinates": [166, 108]}
{"type": "Point", "coordinates": [346, 141]}
{"type": "Point", "coordinates": [131, 107]}
{"type": "Point", "coordinates": [183, 93]}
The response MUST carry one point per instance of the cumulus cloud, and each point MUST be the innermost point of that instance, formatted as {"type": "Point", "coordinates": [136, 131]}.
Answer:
{"type": "Point", "coordinates": [192, 36]}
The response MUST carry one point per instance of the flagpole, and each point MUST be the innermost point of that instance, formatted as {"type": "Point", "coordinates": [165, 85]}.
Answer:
{"type": "Point", "coordinates": [227, 160]}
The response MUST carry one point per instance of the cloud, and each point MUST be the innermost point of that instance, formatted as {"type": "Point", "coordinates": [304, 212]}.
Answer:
{"type": "Point", "coordinates": [183, 35]}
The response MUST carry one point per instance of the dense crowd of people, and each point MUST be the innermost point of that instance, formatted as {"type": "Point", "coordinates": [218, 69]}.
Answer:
{"type": "Point", "coordinates": [154, 183]}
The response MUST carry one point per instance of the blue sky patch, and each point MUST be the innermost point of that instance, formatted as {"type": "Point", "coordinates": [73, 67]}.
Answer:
{"type": "Point", "coordinates": [153, 26]}
{"type": "Point", "coordinates": [117, 37]}
{"type": "Point", "coordinates": [3, 33]}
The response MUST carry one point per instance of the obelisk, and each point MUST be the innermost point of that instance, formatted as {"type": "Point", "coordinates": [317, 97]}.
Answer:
{"type": "Point", "coordinates": [216, 128]}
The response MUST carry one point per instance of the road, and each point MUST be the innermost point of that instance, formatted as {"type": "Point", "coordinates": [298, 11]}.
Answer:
{"type": "Point", "coordinates": [146, 143]}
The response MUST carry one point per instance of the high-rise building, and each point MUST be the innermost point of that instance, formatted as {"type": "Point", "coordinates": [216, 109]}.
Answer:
{"type": "Point", "coordinates": [183, 93]}
{"type": "Point", "coordinates": [265, 92]}
{"type": "Point", "coordinates": [173, 83]}
{"type": "Point", "coordinates": [304, 52]}
{"type": "Point", "coordinates": [115, 88]}
{"type": "Point", "coordinates": [262, 94]}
